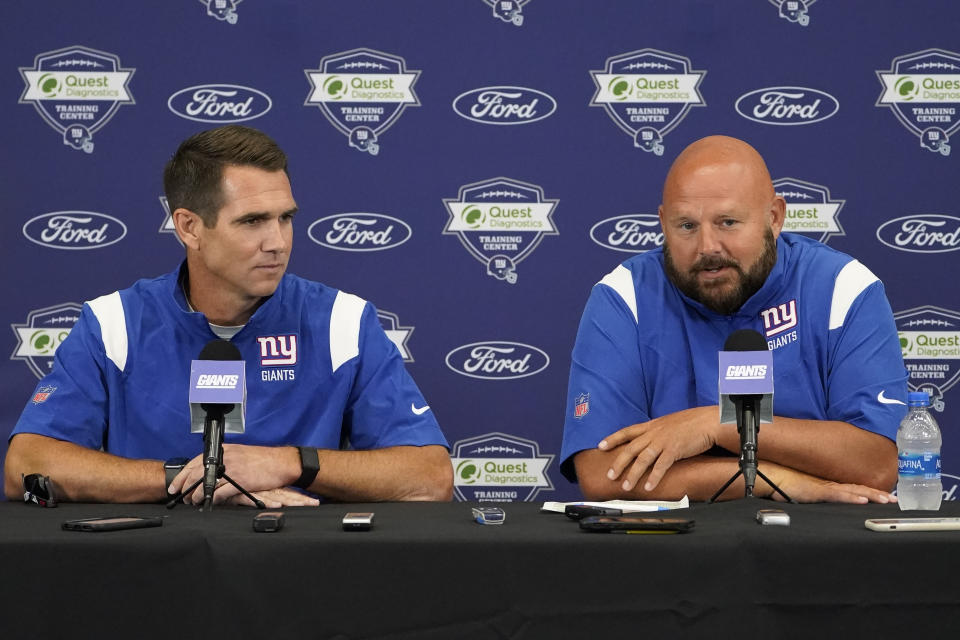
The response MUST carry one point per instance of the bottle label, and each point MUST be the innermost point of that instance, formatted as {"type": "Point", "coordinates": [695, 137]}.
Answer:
{"type": "Point", "coordinates": [924, 465]}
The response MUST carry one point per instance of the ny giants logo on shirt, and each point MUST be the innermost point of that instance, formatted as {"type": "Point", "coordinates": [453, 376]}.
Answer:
{"type": "Point", "coordinates": [779, 318]}
{"type": "Point", "coordinates": [278, 350]}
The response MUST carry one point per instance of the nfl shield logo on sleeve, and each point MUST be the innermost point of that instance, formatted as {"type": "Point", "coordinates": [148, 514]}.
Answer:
{"type": "Point", "coordinates": [581, 405]}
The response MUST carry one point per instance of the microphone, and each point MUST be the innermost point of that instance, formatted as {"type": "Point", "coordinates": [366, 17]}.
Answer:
{"type": "Point", "coordinates": [217, 386]}
{"type": "Point", "coordinates": [746, 394]}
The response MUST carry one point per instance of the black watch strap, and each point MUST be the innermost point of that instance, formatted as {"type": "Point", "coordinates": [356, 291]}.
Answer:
{"type": "Point", "coordinates": [171, 468]}
{"type": "Point", "coordinates": [310, 465]}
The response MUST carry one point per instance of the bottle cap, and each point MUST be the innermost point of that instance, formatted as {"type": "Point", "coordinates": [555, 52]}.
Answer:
{"type": "Point", "coordinates": [918, 399]}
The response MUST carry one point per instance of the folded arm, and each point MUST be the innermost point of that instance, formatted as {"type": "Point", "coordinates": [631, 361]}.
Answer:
{"type": "Point", "coordinates": [390, 474]}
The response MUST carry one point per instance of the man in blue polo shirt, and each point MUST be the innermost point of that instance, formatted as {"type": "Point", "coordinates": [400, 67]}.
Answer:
{"type": "Point", "coordinates": [113, 423]}
{"type": "Point", "coordinates": [642, 418]}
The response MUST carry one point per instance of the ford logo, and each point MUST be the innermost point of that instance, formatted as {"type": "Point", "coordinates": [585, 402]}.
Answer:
{"type": "Point", "coordinates": [930, 233]}
{"type": "Point", "coordinates": [359, 232]}
{"type": "Point", "coordinates": [74, 230]}
{"type": "Point", "coordinates": [787, 105]}
{"type": "Point", "coordinates": [631, 233]}
{"type": "Point", "coordinates": [504, 105]}
{"type": "Point", "coordinates": [219, 103]}
{"type": "Point", "coordinates": [497, 360]}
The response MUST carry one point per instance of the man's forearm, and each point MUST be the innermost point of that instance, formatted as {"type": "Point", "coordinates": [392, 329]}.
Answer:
{"type": "Point", "coordinates": [81, 474]}
{"type": "Point", "coordinates": [390, 474]}
{"type": "Point", "coordinates": [838, 451]}
{"type": "Point", "coordinates": [698, 478]}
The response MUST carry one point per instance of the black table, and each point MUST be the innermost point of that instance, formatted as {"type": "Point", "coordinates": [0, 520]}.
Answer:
{"type": "Point", "coordinates": [428, 571]}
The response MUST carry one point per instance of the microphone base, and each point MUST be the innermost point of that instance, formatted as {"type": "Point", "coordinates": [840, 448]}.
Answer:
{"type": "Point", "coordinates": [748, 488]}
{"type": "Point", "coordinates": [208, 505]}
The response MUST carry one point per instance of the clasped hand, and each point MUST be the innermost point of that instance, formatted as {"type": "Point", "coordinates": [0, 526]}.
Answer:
{"type": "Point", "coordinates": [658, 443]}
{"type": "Point", "coordinates": [263, 471]}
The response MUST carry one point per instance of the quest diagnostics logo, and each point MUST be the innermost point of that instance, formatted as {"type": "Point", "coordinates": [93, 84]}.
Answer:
{"type": "Point", "coordinates": [634, 233]}
{"type": "Point", "coordinates": [929, 233]}
{"type": "Point", "coordinates": [77, 91]}
{"type": "Point", "coordinates": [647, 93]}
{"type": "Point", "coordinates": [795, 11]}
{"type": "Point", "coordinates": [787, 106]}
{"type": "Point", "coordinates": [497, 467]}
{"type": "Point", "coordinates": [222, 10]}
{"type": "Point", "coordinates": [362, 92]}
{"type": "Point", "coordinates": [930, 344]}
{"type": "Point", "coordinates": [504, 105]}
{"type": "Point", "coordinates": [510, 11]}
{"type": "Point", "coordinates": [923, 90]}
{"type": "Point", "coordinates": [359, 232]}
{"type": "Point", "coordinates": [41, 334]}
{"type": "Point", "coordinates": [810, 209]}
{"type": "Point", "coordinates": [500, 222]}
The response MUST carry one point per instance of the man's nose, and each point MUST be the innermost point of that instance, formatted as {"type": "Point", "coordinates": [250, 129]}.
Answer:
{"type": "Point", "coordinates": [708, 241]}
{"type": "Point", "coordinates": [274, 239]}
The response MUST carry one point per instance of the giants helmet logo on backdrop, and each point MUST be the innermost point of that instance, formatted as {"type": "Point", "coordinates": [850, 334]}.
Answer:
{"type": "Point", "coordinates": [923, 90]}
{"type": "Point", "coordinates": [362, 92]}
{"type": "Point", "coordinates": [222, 10]}
{"type": "Point", "coordinates": [500, 222]}
{"type": "Point", "coordinates": [497, 467]}
{"type": "Point", "coordinates": [930, 343]}
{"type": "Point", "coordinates": [77, 90]}
{"type": "Point", "coordinates": [795, 11]}
{"type": "Point", "coordinates": [647, 93]}
{"type": "Point", "coordinates": [810, 209]}
{"type": "Point", "coordinates": [510, 11]}
{"type": "Point", "coordinates": [39, 337]}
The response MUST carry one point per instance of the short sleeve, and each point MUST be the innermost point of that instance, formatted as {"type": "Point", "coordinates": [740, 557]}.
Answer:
{"type": "Point", "coordinates": [385, 407]}
{"type": "Point", "coordinates": [605, 391]}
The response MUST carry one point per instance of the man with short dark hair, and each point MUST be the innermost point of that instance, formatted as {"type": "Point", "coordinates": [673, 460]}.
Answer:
{"type": "Point", "coordinates": [642, 418]}
{"type": "Point", "coordinates": [115, 423]}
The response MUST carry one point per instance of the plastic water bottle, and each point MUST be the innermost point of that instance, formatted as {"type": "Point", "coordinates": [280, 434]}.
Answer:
{"type": "Point", "coordinates": [918, 464]}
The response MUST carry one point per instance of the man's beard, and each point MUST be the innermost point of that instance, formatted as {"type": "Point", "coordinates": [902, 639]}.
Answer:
{"type": "Point", "coordinates": [713, 297]}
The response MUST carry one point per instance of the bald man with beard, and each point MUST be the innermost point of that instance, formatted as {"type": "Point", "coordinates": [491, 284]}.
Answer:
{"type": "Point", "coordinates": [642, 420]}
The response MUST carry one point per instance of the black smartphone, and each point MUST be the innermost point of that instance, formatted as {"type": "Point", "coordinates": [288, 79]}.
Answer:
{"type": "Point", "coordinates": [635, 524]}
{"type": "Point", "coordinates": [580, 511]}
{"type": "Point", "coordinates": [268, 521]}
{"type": "Point", "coordinates": [112, 523]}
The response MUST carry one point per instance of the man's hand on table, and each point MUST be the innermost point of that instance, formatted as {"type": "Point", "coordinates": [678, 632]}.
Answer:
{"type": "Point", "coordinates": [263, 471]}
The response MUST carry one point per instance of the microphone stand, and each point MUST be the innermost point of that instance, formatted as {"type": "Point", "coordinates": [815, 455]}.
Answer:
{"type": "Point", "coordinates": [748, 424]}
{"type": "Point", "coordinates": [213, 467]}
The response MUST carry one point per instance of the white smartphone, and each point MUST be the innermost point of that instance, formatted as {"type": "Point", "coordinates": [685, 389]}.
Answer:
{"type": "Point", "coordinates": [912, 524]}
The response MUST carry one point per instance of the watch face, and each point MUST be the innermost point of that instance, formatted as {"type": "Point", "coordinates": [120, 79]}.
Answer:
{"type": "Point", "coordinates": [176, 463]}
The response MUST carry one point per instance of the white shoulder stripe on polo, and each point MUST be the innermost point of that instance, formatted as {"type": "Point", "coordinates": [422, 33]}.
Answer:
{"type": "Point", "coordinates": [345, 328]}
{"type": "Point", "coordinates": [851, 281]}
{"type": "Point", "coordinates": [621, 281]}
{"type": "Point", "coordinates": [113, 326]}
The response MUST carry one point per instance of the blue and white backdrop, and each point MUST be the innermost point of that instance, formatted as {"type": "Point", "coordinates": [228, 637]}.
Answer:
{"type": "Point", "coordinates": [473, 167]}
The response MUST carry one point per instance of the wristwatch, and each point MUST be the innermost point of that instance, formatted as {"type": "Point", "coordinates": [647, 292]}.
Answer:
{"type": "Point", "coordinates": [309, 465]}
{"type": "Point", "coordinates": [171, 468]}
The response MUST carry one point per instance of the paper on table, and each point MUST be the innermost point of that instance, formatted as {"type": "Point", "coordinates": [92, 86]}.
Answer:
{"type": "Point", "coordinates": [627, 506]}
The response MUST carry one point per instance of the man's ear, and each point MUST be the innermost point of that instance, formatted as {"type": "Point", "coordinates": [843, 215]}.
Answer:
{"type": "Point", "coordinates": [188, 226]}
{"type": "Point", "coordinates": [778, 213]}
